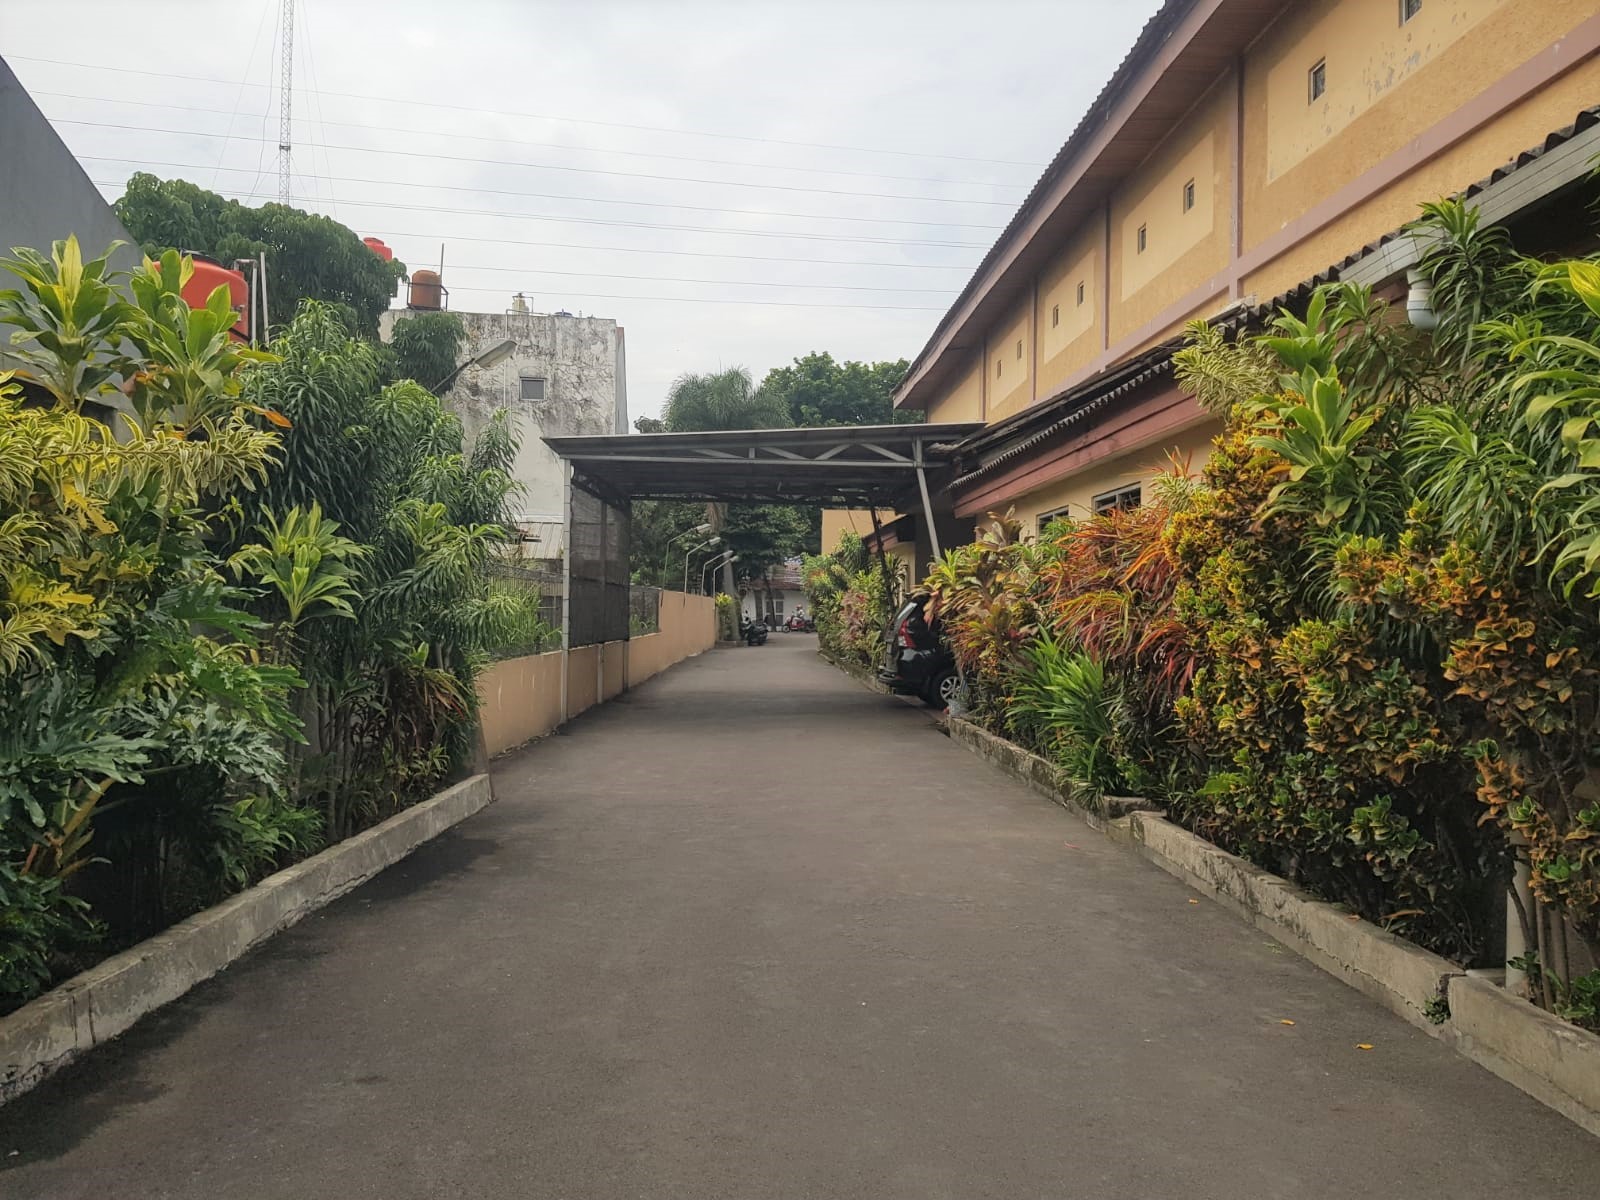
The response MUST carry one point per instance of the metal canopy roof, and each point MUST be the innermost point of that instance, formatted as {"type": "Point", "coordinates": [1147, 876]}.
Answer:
{"type": "Point", "coordinates": [856, 466]}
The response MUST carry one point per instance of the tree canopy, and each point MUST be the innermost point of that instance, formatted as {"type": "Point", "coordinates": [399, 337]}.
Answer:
{"type": "Point", "coordinates": [818, 390]}
{"type": "Point", "coordinates": [308, 256]}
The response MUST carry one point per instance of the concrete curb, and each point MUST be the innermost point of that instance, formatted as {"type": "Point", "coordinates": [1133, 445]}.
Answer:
{"type": "Point", "coordinates": [1405, 979]}
{"type": "Point", "coordinates": [45, 1035]}
{"type": "Point", "coordinates": [1551, 1060]}
{"type": "Point", "coordinates": [1556, 1063]}
{"type": "Point", "coordinates": [1043, 776]}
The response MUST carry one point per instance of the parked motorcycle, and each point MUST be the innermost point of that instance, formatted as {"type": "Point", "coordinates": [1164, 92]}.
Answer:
{"type": "Point", "coordinates": [755, 633]}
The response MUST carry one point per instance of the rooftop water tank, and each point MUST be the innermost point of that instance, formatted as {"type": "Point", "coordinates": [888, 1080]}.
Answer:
{"type": "Point", "coordinates": [427, 290]}
{"type": "Point", "coordinates": [377, 246]}
{"type": "Point", "coordinates": [208, 276]}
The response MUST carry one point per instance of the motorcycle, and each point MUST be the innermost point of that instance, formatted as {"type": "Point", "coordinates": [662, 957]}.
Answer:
{"type": "Point", "coordinates": [755, 633]}
{"type": "Point", "coordinates": [800, 624]}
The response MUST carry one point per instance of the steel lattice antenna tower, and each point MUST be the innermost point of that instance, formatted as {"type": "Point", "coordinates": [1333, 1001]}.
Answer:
{"type": "Point", "coordinates": [285, 97]}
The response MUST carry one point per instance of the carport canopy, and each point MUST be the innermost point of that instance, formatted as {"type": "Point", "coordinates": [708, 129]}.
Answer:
{"type": "Point", "coordinates": [853, 466]}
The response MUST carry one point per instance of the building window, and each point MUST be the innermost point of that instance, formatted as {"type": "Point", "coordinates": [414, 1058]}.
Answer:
{"type": "Point", "coordinates": [1055, 315]}
{"type": "Point", "coordinates": [1019, 347]}
{"type": "Point", "coordinates": [1143, 239]}
{"type": "Point", "coordinates": [1045, 518]}
{"type": "Point", "coordinates": [1130, 496]}
{"type": "Point", "coordinates": [1319, 79]}
{"type": "Point", "coordinates": [532, 387]}
{"type": "Point", "coordinates": [1188, 195]}
{"type": "Point", "coordinates": [1080, 291]}
{"type": "Point", "coordinates": [1409, 9]}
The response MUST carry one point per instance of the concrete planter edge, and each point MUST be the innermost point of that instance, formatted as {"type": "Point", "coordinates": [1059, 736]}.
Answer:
{"type": "Point", "coordinates": [1551, 1060]}
{"type": "Point", "coordinates": [97, 1005]}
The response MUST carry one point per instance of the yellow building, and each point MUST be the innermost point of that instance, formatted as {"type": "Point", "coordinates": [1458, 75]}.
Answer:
{"type": "Point", "coordinates": [1243, 151]}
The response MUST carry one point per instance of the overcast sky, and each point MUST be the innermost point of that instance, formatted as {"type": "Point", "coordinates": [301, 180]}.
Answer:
{"type": "Point", "coordinates": [550, 145]}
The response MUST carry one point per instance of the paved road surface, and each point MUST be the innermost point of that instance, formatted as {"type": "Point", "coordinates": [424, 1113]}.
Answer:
{"type": "Point", "coordinates": [754, 932]}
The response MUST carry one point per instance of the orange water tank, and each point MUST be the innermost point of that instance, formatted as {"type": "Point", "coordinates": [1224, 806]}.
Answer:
{"type": "Point", "coordinates": [209, 275]}
{"type": "Point", "coordinates": [427, 290]}
{"type": "Point", "coordinates": [376, 245]}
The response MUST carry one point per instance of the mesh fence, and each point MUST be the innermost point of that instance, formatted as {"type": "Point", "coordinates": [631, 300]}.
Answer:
{"type": "Point", "coordinates": [644, 604]}
{"type": "Point", "coordinates": [597, 557]}
{"type": "Point", "coordinates": [542, 576]}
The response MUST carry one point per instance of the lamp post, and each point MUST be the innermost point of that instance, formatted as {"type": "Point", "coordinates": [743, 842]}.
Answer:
{"type": "Point", "coordinates": [495, 354]}
{"type": "Point", "coordinates": [713, 540]}
{"type": "Point", "coordinates": [703, 527]}
{"type": "Point", "coordinates": [727, 556]}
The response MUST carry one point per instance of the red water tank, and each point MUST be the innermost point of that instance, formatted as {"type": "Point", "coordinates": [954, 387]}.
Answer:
{"type": "Point", "coordinates": [209, 275]}
{"type": "Point", "coordinates": [427, 290]}
{"type": "Point", "coordinates": [377, 246]}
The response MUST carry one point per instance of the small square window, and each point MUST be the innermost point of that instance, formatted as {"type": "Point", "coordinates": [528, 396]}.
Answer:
{"type": "Point", "coordinates": [1130, 496]}
{"type": "Point", "coordinates": [1188, 195]}
{"type": "Point", "coordinates": [532, 388]}
{"type": "Point", "coordinates": [1019, 347]}
{"type": "Point", "coordinates": [1319, 79]}
{"type": "Point", "coordinates": [1055, 315]}
{"type": "Point", "coordinates": [1080, 291]}
{"type": "Point", "coordinates": [1143, 238]}
{"type": "Point", "coordinates": [1409, 9]}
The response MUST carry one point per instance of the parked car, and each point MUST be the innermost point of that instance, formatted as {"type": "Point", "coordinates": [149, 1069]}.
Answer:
{"type": "Point", "coordinates": [919, 660]}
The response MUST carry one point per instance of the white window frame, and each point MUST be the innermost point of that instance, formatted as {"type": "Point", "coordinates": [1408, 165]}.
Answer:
{"type": "Point", "coordinates": [522, 387]}
{"type": "Point", "coordinates": [1129, 495]}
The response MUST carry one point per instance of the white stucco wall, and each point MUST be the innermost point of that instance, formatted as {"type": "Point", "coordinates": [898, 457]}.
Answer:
{"type": "Point", "coordinates": [583, 363]}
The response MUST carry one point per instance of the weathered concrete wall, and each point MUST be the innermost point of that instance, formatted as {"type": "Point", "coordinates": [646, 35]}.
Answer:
{"type": "Point", "coordinates": [582, 362]}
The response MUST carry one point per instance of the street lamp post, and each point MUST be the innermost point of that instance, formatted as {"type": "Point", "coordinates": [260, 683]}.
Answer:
{"type": "Point", "coordinates": [495, 354]}
{"type": "Point", "coordinates": [713, 540]}
{"type": "Point", "coordinates": [727, 556]}
{"type": "Point", "coordinates": [703, 527]}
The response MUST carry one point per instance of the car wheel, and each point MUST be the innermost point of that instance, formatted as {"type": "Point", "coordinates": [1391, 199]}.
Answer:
{"type": "Point", "coordinates": [942, 691]}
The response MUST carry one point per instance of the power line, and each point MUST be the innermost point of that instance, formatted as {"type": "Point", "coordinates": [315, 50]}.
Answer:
{"type": "Point", "coordinates": [479, 137]}
{"type": "Point", "coordinates": [509, 162]}
{"type": "Point", "coordinates": [483, 191]}
{"type": "Point", "coordinates": [738, 137]}
{"type": "Point", "coordinates": [486, 212]}
{"type": "Point", "coordinates": [831, 287]}
{"type": "Point", "coordinates": [777, 258]}
{"type": "Point", "coordinates": [707, 300]}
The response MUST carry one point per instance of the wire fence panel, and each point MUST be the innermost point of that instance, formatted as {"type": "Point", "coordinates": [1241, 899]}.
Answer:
{"type": "Point", "coordinates": [597, 561]}
{"type": "Point", "coordinates": [644, 610]}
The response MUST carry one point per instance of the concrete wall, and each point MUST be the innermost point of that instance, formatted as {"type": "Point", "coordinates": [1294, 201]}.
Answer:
{"type": "Point", "coordinates": [582, 363]}
{"type": "Point", "coordinates": [520, 698]}
{"type": "Point", "coordinates": [44, 194]}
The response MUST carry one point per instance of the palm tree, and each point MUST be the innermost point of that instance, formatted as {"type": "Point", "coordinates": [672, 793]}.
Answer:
{"type": "Point", "coordinates": [721, 400]}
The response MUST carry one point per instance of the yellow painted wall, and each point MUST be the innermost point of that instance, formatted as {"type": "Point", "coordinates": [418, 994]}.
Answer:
{"type": "Point", "coordinates": [1182, 249]}
{"type": "Point", "coordinates": [1008, 358]}
{"type": "Point", "coordinates": [1075, 492]}
{"type": "Point", "coordinates": [1068, 330]}
{"type": "Point", "coordinates": [850, 520]}
{"type": "Point", "coordinates": [1471, 159]}
{"type": "Point", "coordinates": [1387, 83]}
{"type": "Point", "coordinates": [963, 401]}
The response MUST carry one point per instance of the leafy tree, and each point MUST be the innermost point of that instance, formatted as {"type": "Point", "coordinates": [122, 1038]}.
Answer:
{"type": "Point", "coordinates": [817, 390]}
{"type": "Point", "coordinates": [426, 346]}
{"type": "Point", "coordinates": [308, 256]}
{"type": "Point", "coordinates": [721, 400]}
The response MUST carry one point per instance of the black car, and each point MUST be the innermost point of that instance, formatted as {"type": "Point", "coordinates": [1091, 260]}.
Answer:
{"type": "Point", "coordinates": [919, 662]}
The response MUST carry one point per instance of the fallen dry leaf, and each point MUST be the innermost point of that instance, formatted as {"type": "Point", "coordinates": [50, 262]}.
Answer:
{"type": "Point", "coordinates": [1363, 1045]}
{"type": "Point", "coordinates": [1194, 902]}
{"type": "Point", "coordinates": [1285, 1021]}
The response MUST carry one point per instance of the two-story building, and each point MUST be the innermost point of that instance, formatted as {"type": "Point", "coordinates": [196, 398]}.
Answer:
{"type": "Point", "coordinates": [1242, 152]}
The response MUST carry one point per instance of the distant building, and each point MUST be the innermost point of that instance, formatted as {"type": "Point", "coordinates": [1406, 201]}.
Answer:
{"type": "Point", "coordinates": [566, 376]}
{"type": "Point", "coordinates": [778, 597]}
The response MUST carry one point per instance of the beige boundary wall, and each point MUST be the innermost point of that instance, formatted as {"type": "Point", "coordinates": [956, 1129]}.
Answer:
{"type": "Point", "coordinates": [520, 698]}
